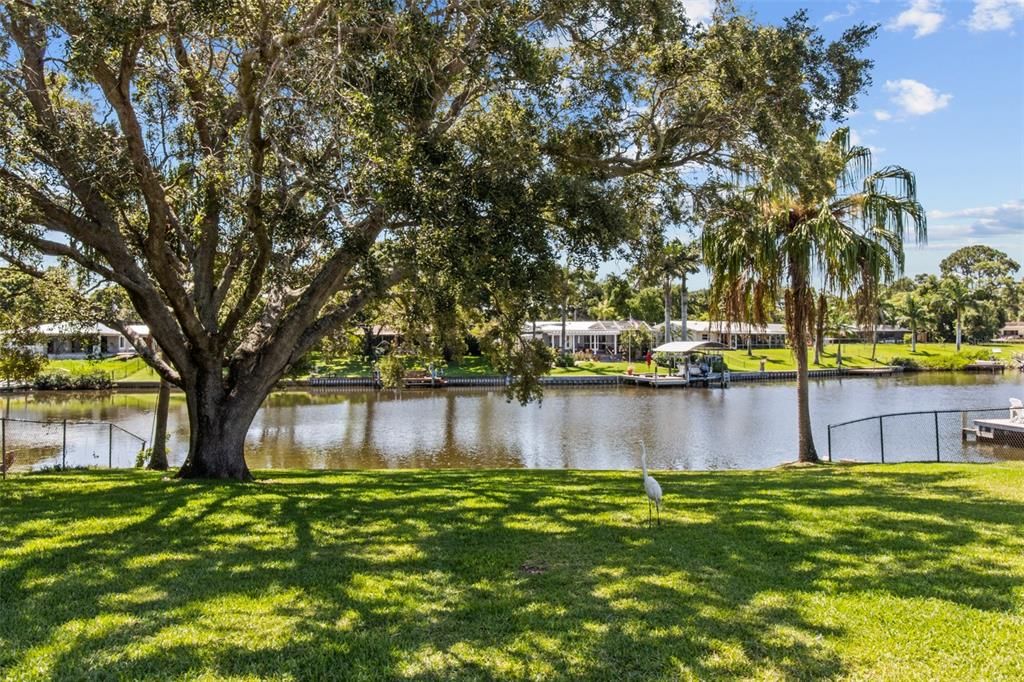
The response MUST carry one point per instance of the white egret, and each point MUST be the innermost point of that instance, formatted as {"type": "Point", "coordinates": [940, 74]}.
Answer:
{"type": "Point", "coordinates": [651, 487]}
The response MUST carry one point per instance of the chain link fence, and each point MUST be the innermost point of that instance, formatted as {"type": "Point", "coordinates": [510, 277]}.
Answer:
{"type": "Point", "coordinates": [27, 444]}
{"type": "Point", "coordinates": [981, 435]}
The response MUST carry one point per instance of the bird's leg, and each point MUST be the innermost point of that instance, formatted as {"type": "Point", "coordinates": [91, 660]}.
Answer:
{"type": "Point", "coordinates": [659, 513]}
{"type": "Point", "coordinates": [649, 515]}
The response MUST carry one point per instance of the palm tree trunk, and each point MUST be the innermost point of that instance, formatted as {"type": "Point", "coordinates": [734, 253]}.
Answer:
{"type": "Point", "coordinates": [913, 336]}
{"type": "Point", "coordinates": [750, 336]}
{"type": "Point", "coordinates": [806, 451]}
{"type": "Point", "coordinates": [667, 293]}
{"type": "Point", "coordinates": [684, 304]}
{"type": "Point", "coordinates": [800, 293]}
{"type": "Point", "coordinates": [565, 307]}
{"type": "Point", "coordinates": [874, 341]}
{"type": "Point", "coordinates": [819, 328]}
{"type": "Point", "coordinates": [958, 331]}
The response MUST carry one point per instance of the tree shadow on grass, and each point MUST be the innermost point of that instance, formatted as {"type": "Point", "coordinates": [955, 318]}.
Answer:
{"type": "Point", "coordinates": [477, 574]}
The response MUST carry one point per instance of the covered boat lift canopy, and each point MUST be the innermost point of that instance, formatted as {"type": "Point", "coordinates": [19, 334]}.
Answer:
{"type": "Point", "coordinates": [687, 347]}
{"type": "Point", "coordinates": [687, 375]}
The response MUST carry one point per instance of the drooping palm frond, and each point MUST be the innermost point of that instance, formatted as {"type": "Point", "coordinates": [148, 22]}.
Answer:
{"type": "Point", "coordinates": [850, 232]}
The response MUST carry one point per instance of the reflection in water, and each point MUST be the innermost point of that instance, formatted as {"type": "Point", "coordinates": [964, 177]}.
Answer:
{"type": "Point", "coordinates": [746, 426]}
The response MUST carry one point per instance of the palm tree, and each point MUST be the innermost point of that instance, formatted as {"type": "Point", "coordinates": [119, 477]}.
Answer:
{"type": "Point", "coordinates": [669, 255]}
{"type": "Point", "coordinates": [837, 323]}
{"type": "Point", "coordinates": [958, 298]}
{"type": "Point", "coordinates": [818, 211]}
{"type": "Point", "coordinates": [912, 312]}
{"type": "Point", "coordinates": [685, 261]}
{"type": "Point", "coordinates": [603, 310]}
{"type": "Point", "coordinates": [664, 263]}
{"type": "Point", "coordinates": [873, 310]}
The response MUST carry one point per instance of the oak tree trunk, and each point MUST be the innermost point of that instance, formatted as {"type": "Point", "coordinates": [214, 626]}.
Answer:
{"type": "Point", "coordinates": [218, 424]}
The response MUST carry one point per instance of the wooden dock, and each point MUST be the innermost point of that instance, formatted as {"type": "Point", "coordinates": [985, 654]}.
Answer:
{"type": "Point", "coordinates": [674, 380]}
{"type": "Point", "coordinates": [421, 379]}
{"type": "Point", "coordinates": [873, 371]}
{"type": "Point", "coordinates": [992, 366]}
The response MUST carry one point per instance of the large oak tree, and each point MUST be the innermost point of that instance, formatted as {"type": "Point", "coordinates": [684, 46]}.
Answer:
{"type": "Point", "coordinates": [253, 174]}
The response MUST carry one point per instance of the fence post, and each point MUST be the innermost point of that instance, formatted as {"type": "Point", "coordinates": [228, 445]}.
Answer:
{"type": "Point", "coordinates": [64, 448]}
{"type": "Point", "coordinates": [110, 446]}
{"type": "Point", "coordinates": [881, 438]}
{"type": "Point", "coordinates": [938, 452]}
{"type": "Point", "coordinates": [830, 442]}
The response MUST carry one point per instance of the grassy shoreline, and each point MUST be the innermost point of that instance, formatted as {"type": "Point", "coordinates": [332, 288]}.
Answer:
{"type": "Point", "coordinates": [867, 572]}
{"type": "Point", "coordinates": [930, 356]}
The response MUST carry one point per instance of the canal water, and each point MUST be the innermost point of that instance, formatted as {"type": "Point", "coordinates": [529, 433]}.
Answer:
{"type": "Point", "coordinates": [746, 426]}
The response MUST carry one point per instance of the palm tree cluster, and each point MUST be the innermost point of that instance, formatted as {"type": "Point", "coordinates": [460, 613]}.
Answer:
{"type": "Point", "coordinates": [819, 215]}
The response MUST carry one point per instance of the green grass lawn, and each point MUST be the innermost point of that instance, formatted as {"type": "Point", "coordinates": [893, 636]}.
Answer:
{"type": "Point", "coordinates": [132, 369]}
{"type": "Point", "coordinates": [929, 355]}
{"type": "Point", "coordinates": [866, 572]}
{"type": "Point", "coordinates": [858, 355]}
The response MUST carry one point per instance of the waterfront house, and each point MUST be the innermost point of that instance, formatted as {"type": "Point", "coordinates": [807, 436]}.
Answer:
{"type": "Point", "coordinates": [62, 340]}
{"type": "Point", "coordinates": [1012, 331]}
{"type": "Point", "coordinates": [886, 333]}
{"type": "Point", "coordinates": [731, 334]}
{"type": "Point", "coordinates": [598, 336]}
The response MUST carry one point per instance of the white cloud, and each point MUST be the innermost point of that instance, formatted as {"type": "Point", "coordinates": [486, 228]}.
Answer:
{"type": "Point", "coordinates": [856, 139]}
{"type": "Point", "coordinates": [699, 11]}
{"type": "Point", "coordinates": [915, 98]}
{"type": "Point", "coordinates": [995, 15]}
{"type": "Point", "coordinates": [982, 221]}
{"type": "Point", "coordinates": [924, 16]}
{"type": "Point", "coordinates": [851, 8]}
{"type": "Point", "coordinates": [882, 115]}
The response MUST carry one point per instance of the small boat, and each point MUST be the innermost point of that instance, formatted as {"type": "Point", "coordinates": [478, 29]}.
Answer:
{"type": "Point", "coordinates": [1009, 431]}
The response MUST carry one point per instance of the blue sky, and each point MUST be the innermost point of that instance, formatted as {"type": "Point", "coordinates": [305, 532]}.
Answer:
{"type": "Point", "coordinates": [947, 102]}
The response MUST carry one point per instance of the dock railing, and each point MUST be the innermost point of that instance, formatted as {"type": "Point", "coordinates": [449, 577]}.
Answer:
{"type": "Point", "coordinates": [55, 442]}
{"type": "Point", "coordinates": [930, 435]}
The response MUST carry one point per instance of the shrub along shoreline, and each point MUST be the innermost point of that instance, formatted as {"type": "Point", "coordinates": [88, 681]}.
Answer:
{"type": "Point", "coordinates": [65, 374]}
{"type": "Point", "coordinates": [867, 572]}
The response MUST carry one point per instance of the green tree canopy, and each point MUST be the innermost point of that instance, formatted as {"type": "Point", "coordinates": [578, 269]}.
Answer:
{"type": "Point", "coordinates": [979, 265]}
{"type": "Point", "coordinates": [253, 174]}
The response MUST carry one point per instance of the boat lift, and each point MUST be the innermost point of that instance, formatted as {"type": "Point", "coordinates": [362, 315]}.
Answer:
{"type": "Point", "coordinates": [691, 372]}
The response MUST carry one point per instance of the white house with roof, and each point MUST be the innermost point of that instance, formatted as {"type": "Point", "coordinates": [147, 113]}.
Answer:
{"type": "Point", "coordinates": [885, 333]}
{"type": "Point", "coordinates": [1012, 331]}
{"type": "Point", "coordinates": [732, 334]}
{"type": "Point", "coordinates": [599, 336]}
{"type": "Point", "coordinates": [63, 340]}
{"type": "Point", "coordinates": [770, 335]}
